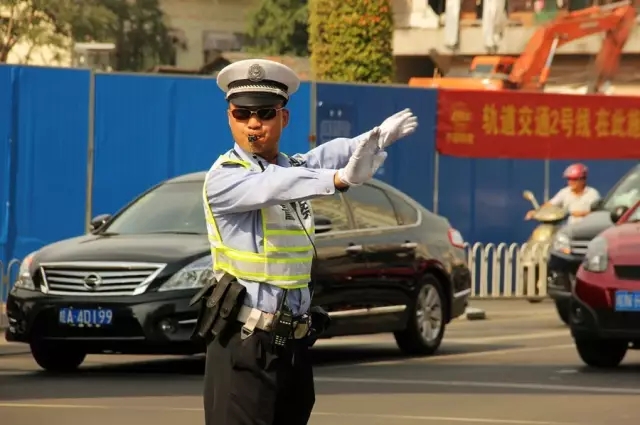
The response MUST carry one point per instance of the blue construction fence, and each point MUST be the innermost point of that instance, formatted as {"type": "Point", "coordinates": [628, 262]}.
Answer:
{"type": "Point", "coordinates": [147, 128]}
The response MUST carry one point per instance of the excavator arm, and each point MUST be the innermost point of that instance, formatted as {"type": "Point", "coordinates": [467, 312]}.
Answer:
{"type": "Point", "coordinates": [616, 20]}
{"type": "Point", "coordinates": [608, 59]}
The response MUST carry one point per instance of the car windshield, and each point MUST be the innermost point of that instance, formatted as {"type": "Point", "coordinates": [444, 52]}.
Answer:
{"type": "Point", "coordinates": [170, 208]}
{"type": "Point", "coordinates": [627, 193]}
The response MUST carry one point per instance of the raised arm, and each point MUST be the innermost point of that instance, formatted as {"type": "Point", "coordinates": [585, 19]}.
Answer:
{"type": "Point", "coordinates": [333, 154]}
{"type": "Point", "coordinates": [233, 189]}
{"type": "Point", "coordinates": [336, 153]}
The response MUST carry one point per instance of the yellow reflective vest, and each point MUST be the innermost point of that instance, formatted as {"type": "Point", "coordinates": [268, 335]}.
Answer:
{"type": "Point", "coordinates": [286, 254]}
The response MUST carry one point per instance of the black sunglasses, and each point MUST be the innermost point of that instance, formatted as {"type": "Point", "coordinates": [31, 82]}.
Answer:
{"type": "Point", "coordinates": [264, 114]}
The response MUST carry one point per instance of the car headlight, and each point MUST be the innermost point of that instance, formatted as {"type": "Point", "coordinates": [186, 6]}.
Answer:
{"type": "Point", "coordinates": [25, 280]}
{"type": "Point", "coordinates": [194, 275]}
{"type": "Point", "coordinates": [562, 243]}
{"type": "Point", "coordinates": [596, 259]}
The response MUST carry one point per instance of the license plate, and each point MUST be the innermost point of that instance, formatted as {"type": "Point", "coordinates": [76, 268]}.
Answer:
{"type": "Point", "coordinates": [627, 301]}
{"type": "Point", "coordinates": [85, 317]}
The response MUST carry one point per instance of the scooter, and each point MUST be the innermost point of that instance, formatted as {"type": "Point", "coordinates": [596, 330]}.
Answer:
{"type": "Point", "coordinates": [551, 219]}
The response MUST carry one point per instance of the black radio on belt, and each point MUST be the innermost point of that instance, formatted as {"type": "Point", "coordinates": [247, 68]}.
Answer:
{"type": "Point", "coordinates": [282, 324]}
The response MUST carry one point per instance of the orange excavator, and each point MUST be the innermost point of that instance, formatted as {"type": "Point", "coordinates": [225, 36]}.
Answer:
{"type": "Point", "coordinates": [530, 71]}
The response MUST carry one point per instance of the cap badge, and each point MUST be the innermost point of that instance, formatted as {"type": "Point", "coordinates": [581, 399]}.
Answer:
{"type": "Point", "coordinates": [256, 73]}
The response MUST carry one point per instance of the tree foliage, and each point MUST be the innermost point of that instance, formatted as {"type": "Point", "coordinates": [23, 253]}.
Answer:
{"type": "Point", "coordinates": [136, 27]}
{"type": "Point", "coordinates": [279, 27]}
{"type": "Point", "coordinates": [48, 22]}
{"type": "Point", "coordinates": [141, 34]}
{"type": "Point", "coordinates": [351, 40]}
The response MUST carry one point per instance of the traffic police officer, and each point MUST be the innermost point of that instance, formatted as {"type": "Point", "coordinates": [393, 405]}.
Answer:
{"type": "Point", "coordinates": [261, 230]}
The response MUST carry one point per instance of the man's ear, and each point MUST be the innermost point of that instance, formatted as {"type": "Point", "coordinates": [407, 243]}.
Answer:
{"type": "Point", "coordinates": [229, 116]}
{"type": "Point", "coordinates": [285, 118]}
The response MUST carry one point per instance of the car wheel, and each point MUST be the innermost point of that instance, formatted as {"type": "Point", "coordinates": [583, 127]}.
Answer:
{"type": "Point", "coordinates": [563, 311]}
{"type": "Point", "coordinates": [602, 353]}
{"type": "Point", "coordinates": [426, 324]}
{"type": "Point", "coordinates": [56, 357]}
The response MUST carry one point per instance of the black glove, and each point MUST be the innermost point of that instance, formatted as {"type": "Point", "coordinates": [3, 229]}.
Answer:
{"type": "Point", "coordinates": [320, 322]}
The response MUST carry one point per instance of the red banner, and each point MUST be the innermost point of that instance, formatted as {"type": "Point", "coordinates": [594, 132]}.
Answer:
{"type": "Point", "coordinates": [490, 124]}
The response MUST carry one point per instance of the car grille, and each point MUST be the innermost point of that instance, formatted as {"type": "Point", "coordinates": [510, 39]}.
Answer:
{"type": "Point", "coordinates": [98, 278]}
{"type": "Point", "coordinates": [579, 247]}
{"type": "Point", "coordinates": [627, 272]}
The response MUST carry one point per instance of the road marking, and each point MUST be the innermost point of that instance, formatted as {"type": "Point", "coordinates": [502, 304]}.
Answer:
{"type": "Point", "coordinates": [350, 341]}
{"type": "Point", "coordinates": [344, 414]}
{"type": "Point", "coordinates": [441, 419]}
{"type": "Point", "coordinates": [525, 311]}
{"type": "Point", "coordinates": [61, 406]}
{"type": "Point", "coordinates": [98, 407]}
{"type": "Point", "coordinates": [567, 371]}
{"type": "Point", "coordinates": [476, 384]}
{"type": "Point", "coordinates": [446, 357]}
{"type": "Point", "coordinates": [513, 337]}
{"type": "Point", "coordinates": [493, 353]}
{"type": "Point", "coordinates": [495, 319]}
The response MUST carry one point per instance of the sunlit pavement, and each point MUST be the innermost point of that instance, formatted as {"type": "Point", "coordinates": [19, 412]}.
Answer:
{"type": "Point", "coordinates": [518, 367]}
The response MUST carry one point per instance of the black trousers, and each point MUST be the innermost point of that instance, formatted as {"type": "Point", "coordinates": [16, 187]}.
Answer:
{"type": "Point", "coordinates": [247, 384]}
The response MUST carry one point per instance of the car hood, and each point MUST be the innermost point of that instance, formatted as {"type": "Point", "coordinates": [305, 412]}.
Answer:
{"type": "Point", "coordinates": [590, 226]}
{"type": "Point", "coordinates": [623, 243]}
{"type": "Point", "coordinates": [158, 248]}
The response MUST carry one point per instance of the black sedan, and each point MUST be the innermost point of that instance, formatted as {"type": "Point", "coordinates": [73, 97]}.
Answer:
{"type": "Point", "coordinates": [384, 264]}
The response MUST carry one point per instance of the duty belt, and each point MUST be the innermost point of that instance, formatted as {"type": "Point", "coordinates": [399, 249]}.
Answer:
{"type": "Point", "coordinates": [258, 319]}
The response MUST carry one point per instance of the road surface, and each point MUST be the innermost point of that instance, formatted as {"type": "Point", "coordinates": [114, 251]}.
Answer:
{"type": "Point", "coordinates": [518, 367]}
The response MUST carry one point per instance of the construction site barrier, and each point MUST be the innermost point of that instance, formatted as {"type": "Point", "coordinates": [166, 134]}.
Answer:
{"type": "Point", "coordinates": [49, 124]}
{"type": "Point", "coordinates": [497, 271]}
{"type": "Point", "coordinates": [508, 270]}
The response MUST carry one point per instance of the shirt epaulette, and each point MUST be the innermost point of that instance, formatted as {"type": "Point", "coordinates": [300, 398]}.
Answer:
{"type": "Point", "coordinates": [295, 162]}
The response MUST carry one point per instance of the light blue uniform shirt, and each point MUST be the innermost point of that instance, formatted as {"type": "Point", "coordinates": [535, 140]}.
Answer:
{"type": "Point", "coordinates": [236, 196]}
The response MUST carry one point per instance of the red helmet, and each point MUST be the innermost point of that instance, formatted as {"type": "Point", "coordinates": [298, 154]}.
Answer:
{"type": "Point", "coordinates": [576, 171]}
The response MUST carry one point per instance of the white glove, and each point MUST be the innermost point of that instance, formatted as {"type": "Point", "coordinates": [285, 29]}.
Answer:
{"type": "Point", "coordinates": [378, 160]}
{"type": "Point", "coordinates": [397, 126]}
{"type": "Point", "coordinates": [364, 162]}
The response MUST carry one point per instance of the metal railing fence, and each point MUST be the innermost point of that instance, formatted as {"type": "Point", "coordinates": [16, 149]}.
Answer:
{"type": "Point", "coordinates": [508, 270]}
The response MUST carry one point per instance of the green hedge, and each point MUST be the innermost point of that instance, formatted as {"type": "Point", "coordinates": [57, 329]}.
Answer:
{"type": "Point", "coordinates": [351, 40]}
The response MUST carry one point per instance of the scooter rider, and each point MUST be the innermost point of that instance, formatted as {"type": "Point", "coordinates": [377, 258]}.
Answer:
{"type": "Point", "coordinates": [576, 198]}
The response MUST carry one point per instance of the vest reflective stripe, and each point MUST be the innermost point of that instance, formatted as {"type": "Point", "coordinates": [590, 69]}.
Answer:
{"type": "Point", "coordinates": [287, 252]}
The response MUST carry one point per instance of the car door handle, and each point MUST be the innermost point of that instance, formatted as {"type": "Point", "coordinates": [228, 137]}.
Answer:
{"type": "Point", "coordinates": [353, 249]}
{"type": "Point", "coordinates": [409, 245]}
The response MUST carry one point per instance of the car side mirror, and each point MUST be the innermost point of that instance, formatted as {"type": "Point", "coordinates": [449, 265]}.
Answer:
{"type": "Point", "coordinates": [98, 221]}
{"type": "Point", "coordinates": [617, 213]}
{"type": "Point", "coordinates": [597, 205]}
{"type": "Point", "coordinates": [323, 224]}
